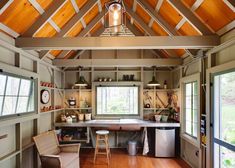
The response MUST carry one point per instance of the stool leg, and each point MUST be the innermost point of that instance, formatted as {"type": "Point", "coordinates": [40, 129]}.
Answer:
{"type": "Point", "coordinates": [96, 147]}
{"type": "Point", "coordinates": [107, 148]}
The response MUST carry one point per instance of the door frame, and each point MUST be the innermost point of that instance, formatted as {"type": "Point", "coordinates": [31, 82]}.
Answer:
{"type": "Point", "coordinates": [210, 73]}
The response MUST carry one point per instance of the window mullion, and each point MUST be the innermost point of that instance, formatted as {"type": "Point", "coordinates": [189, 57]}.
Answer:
{"type": "Point", "coordinates": [17, 97]}
{"type": "Point", "coordinates": [30, 93]}
{"type": "Point", "coordinates": [4, 94]}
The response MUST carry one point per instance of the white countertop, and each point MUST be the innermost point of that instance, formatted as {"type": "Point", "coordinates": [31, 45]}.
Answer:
{"type": "Point", "coordinates": [118, 122]}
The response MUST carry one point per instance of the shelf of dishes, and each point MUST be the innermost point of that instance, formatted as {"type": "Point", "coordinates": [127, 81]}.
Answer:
{"type": "Point", "coordinates": [48, 85]}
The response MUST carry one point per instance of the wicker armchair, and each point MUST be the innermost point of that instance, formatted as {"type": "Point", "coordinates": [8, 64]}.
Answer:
{"type": "Point", "coordinates": [53, 155]}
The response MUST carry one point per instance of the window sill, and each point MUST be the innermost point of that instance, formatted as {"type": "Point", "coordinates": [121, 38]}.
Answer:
{"type": "Point", "coordinates": [191, 140]}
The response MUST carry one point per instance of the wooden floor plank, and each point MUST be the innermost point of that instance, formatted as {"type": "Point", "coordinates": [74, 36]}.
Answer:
{"type": "Point", "coordinates": [120, 159]}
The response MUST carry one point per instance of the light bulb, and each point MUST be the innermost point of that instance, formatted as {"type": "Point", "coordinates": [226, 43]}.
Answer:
{"type": "Point", "coordinates": [115, 15]}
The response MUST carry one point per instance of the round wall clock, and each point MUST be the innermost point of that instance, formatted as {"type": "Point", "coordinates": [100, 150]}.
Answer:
{"type": "Point", "coordinates": [45, 96]}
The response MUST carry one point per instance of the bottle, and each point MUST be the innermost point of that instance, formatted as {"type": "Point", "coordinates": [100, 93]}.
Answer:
{"type": "Point", "coordinates": [165, 85]}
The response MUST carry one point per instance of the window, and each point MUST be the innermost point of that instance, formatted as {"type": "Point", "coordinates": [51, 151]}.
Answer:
{"type": "Point", "coordinates": [191, 108]}
{"type": "Point", "coordinates": [16, 95]}
{"type": "Point", "coordinates": [224, 120]}
{"type": "Point", "coordinates": [117, 100]}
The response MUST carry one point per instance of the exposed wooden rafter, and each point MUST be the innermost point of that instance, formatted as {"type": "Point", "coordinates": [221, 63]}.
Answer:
{"type": "Point", "coordinates": [190, 17]}
{"type": "Point", "coordinates": [195, 6]}
{"type": "Point", "coordinates": [46, 16]}
{"type": "Point", "coordinates": [157, 18]}
{"type": "Point", "coordinates": [117, 62]}
{"type": "Point", "coordinates": [72, 22]}
{"type": "Point", "coordinates": [84, 32]}
{"type": "Point", "coordinates": [105, 43]}
{"type": "Point", "coordinates": [146, 28]}
{"type": "Point", "coordinates": [38, 7]}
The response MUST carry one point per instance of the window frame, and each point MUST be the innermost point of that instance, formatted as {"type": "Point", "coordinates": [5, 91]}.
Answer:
{"type": "Point", "coordinates": [32, 92]}
{"type": "Point", "coordinates": [118, 84]}
{"type": "Point", "coordinates": [185, 80]}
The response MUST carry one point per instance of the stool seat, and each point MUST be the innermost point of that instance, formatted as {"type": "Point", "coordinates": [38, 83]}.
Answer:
{"type": "Point", "coordinates": [102, 132]}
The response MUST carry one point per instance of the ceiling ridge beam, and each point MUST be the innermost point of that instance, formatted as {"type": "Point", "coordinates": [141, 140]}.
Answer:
{"type": "Point", "coordinates": [72, 22]}
{"type": "Point", "coordinates": [84, 32]}
{"type": "Point", "coordinates": [143, 42]}
{"type": "Point", "coordinates": [117, 62]}
{"type": "Point", "coordinates": [190, 17]}
{"type": "Point", "coordinates": [44, 18]}
{"type": "Point", "coordinates": [4, 4]}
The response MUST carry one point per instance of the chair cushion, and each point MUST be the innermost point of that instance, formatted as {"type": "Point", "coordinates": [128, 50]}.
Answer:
{"type": "Point", "coordinates": [68, 159]}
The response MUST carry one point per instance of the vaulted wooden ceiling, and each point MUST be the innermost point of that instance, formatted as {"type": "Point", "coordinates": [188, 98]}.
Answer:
{"type": "Point", "coordinates": [71, 18]}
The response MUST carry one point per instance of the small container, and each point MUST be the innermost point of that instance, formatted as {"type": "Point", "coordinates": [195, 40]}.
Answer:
{"type": "Point", "coordinates": [132, 150]}
{"type": "Point", "coordinates": [69, 119]}
{"type": "Point", "coordinates": [80, 117]}
{"type": "Point", "coordinates": [88, 117]}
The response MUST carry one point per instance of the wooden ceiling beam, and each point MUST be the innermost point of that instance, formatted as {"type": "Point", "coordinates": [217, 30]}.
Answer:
{"type": "Point", "coordinates": [146, 28]}
{"type": "Point", "coordinates": [4, 4]}
{"type": "Point", "coordinates": [85, 31]}
{"type": "Point", "coordinates": [136, 32]}
{"type": "Point", "coordinates": [104, 43]}
{"type": "Point", "coordinates": [44, 18]}
{"type": "Point", "coordinates": [157, 17]}
{"type": "Point", "coordinates": [38, 7]}
{"type": "Point", "coordinates": [190, 17]}
{"type": "Point", "coordinates": [117, 62]}
{"type": "Point", "coordinates": [72, 22]}
{"type": "Point", "coordinates": [195, 6]}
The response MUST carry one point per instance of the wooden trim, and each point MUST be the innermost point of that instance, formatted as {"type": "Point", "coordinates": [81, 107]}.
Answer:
{"type": "Point", "coordinates": [230, 4]}
{"type": "Point", "coordinates": [9, 30]}
{"type": "Point", "coordinates": [116, 62]}
{"type": "Point", "coordinates": [222, 46]}
{"type": "Point", "coordinates": [226, 28]}
{"type": "Point", "coordinates": [86, 43]}
{"type": "Point", "coordinates": [4, 4]}
{"type": "Point", "coordinates": [190, 17]}
{"type": "Point", "coordinates": [10, 47]}
{"type": "Point", "coordinates": [42, 20]}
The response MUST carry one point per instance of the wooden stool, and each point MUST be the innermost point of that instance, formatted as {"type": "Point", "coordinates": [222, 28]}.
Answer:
{"type": "Point", "coordinates": [102, 137]}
